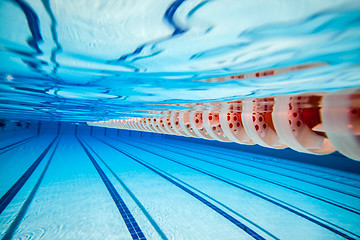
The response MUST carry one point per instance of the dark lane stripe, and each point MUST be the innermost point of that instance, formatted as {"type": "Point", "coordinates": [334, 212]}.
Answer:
{"type": "Point", "coordinates": [128, 218]}
{"type": "Point", "coordinates": [14, 225]}
{"type": "Point", "coordinates": [264, 169]}
{"type": "Point", "coordinates": [13, 144]}
{"type": "Point", "coordinates": [14, 147]}
{"type": "Point", "coordinates": [223, 205]}
{"type": "Point", "coordinates": [268, 162]}
{"type": "Point", "coordinates": [334, 203]}
{"type": "Point", "coordinates": [138, 203]}
{"type": "Point", "coordinates": [262, 196]}
{"type": "Point", "coordinates": [10, 194]}
{"type": "Point", "coordinates": [242, 226]}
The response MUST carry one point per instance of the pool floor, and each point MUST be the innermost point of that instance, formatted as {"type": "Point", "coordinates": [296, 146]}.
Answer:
{"type": "Point", "coordinates": [122, 187]}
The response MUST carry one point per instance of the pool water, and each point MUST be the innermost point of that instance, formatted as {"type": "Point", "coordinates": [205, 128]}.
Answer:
{"type": "Point", "coordinates": [92, 185]}
{"type": "Point", "coordinates": [123, 58]}
{"type": "Point", "coordinates": [65, 64]}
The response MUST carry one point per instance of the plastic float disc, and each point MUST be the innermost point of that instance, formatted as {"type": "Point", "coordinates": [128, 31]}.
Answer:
{"type": "Point", "coordinates": [125, 124]}
{"type": "Point", "coordinates": [185, 124]}
{"type": "Point", "coordinates": [133, 124]}
{"type": "Point", "coordinates": [155, 126]}
{"type": "Point", "coordinates": [138, 125]}
{"type": "Point", "coordinates": [196, 122]}
{"type": "Point", "coordinates": [146, 125]}
{"type": "Point", "coordinates": [106, 123]}
{"type": "Point", "coordinates": [258, 126]}
{"type": "Point", "coordinates": [117, 123]}
{"type": "Point", "coordinates": [340, 116]}
{"type": "Point", "coordinates": [168, 126]}
{"type": "Point", "coordinates": [175, 123]}
{"type": "Point", "coordinates": [128, 121]}
{"type": "Point", "coordinates": [232, 126]}
{"type": "Point", "coordinates": [149, 125]}
{"type": "Point", "coordinates": [161, 123]}
{"type": "Point", "coordinates": [143, 124]}
{"type": "Point", "coordinates": [213, 127]}
{"type": "Point", "coordinates": [291, 123]}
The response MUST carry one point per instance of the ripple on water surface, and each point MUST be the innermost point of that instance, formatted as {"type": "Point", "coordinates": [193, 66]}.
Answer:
{"type": "Point", "coordinates": [121, 58]}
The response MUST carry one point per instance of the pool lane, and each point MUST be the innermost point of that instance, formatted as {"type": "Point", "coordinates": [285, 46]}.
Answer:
{"type": "Point", "coordinates": [72, 201]}
{"type": "Point", "coordinates": [318, 209]}
{"type": "Point", "coordinates": [11, 212]}
{"type": "Point", "coordinates": [13, 164]}
{"type": "Point", "coordinates": [179, 214]}
{"type": "Point", "coordinates": [10, 194]}
{"type": "Point", "coordinates": [295, 199]}
{"type": "Point", "coordinates": [343, 182]}
{"type": "Point", "coordinates": [13, 144]}
{"type": "Point", "coordinates": [133, 227]}
{"type": "Point", "coordinates": [171, 190]}
{"type": "Point", "coordinates": [325, 193]}
{"type": "Point", "coordinates": [115, 178]}
{"type": "Point", "coordinates": [10, 230]}
{"type": "Point", "coordinates": [10, 138]}
{"type": "Point", "coordinates": [306, 171]}
{"type": "Point", "coordinates": [236, 222]}
{"type": "Point", "coordinates": [289, 183]}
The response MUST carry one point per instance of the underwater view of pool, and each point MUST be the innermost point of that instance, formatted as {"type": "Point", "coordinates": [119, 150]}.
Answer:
{"type": "Point", "coordinates": [179, 119]}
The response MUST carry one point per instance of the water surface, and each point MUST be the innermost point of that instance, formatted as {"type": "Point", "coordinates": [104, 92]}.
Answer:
{"type": "Point", "coordinates": [90, 61]}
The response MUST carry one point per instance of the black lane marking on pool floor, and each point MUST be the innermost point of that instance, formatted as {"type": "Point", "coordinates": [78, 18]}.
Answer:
{"type": "Point", "coordinates": [239, 224]}
{"type": "Point", "coordinates": [269, 162]}
{"type": "Point", "coordinates": [128, 218]}
{"type": "Point", "coordinates": [14, 145]}
{"type": "Point", "coordinates": [262, 196]}
{"type": "Point", "coordinates": [2, 148]}
{"type": "Point", "coordinates": [138, 203]}
{"type": "Point", "coordinates": [10, 194]}
{"type": "Point", "coordinates": [278, 173]}
{"type": "Point", "coordinates": [334, 203]}
{"type": "Point", "coordinates": [14, 225]}
{"type": "Point", "coordinates": [216, 201]}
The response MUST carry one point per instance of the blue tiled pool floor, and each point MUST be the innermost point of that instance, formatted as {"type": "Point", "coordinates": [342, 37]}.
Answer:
{"type": "Point", "coordinates": [123, 187]}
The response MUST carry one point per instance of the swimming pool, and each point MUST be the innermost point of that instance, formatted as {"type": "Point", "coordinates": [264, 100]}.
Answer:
{"type": "Point", "coordinates": [217, 68]}
{"type": "Point", "coordinates": [92, 185]}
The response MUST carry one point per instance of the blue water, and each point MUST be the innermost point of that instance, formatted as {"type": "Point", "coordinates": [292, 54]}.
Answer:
{"type": "Point", "coordinates": [118, 184]}
{"type": "Point", "coordinates": [81, 61]}
{"type": "Point", "coordinates": [66, 62]}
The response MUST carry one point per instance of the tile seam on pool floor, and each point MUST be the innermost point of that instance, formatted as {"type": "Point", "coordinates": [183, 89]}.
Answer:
{"type": "Point", "coordinates": [16, 222]}
{"type": "Point", "coordinates": [214, 200]}
{"type": "Point", "coordinates": [283, 162]}
{"type": "Point", "coordinates": [289, 169]}
{"type": "Point", "coordinates": [278, 203]}
{"type": "Point", "coordinates": [332, 202]}
{"type": "Point", "coordinates": [14, 145]}
{"type": "Point", "coordinates": [135, 199]}
{"type": "Point", "coordinates": [128, 218]}
{"type": "Point", "coordinates": [10, 194]}
{"type": "Point", "coordinates": [302, 180]}
{"type": "Point", "coordinates": [198, 197]}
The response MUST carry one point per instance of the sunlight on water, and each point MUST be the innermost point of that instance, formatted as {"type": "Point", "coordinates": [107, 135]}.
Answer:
{"type": "Point", "coordinates": [88, 61]}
